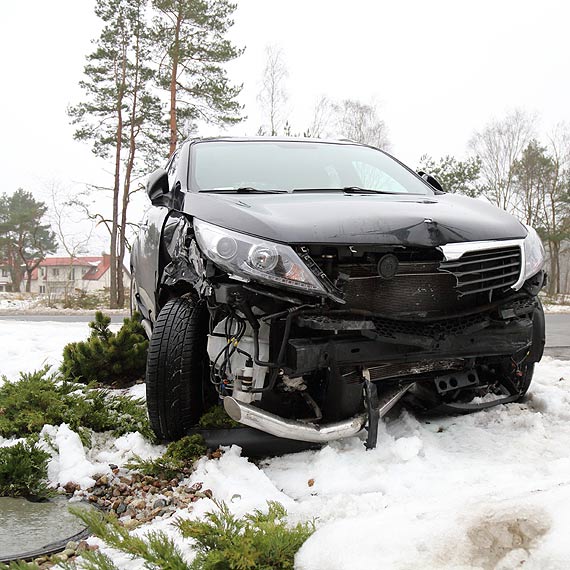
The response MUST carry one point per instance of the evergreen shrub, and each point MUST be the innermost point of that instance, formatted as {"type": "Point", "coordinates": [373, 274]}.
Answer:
{"type": "Point", "coordinates": [217, 418]}
{"type": "Point", "coordinates": [23, 471]}
{"type": "Point", "coordinates": [178, 458]}
{"type": "Point", "coordinates": [258, 541]}
{"type": "Point", "coordinates": [37, 398]}
{"type": "Point", "coordinates": [113, 359]}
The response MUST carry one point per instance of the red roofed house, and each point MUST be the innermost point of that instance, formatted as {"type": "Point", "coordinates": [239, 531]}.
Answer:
{"type": "Point", "coordinates": [58, 276]}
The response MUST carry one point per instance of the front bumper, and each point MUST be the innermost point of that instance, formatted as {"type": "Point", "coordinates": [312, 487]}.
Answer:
{"type": "Point", "coordinates": [472, 337]}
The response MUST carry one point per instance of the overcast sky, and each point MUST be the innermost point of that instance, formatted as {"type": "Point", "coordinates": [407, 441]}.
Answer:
{"type": "Point", "coordinates": [438, 70]}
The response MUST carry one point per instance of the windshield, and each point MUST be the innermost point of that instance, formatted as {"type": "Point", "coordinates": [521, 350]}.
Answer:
{"type": "Point", "coordinates": [297, 165]}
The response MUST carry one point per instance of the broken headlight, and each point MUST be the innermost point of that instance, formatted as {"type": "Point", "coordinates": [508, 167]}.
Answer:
{"type": "Point", "coordinates": [533, 253]}
{"type": "Point", "coordinates": [255, 258]}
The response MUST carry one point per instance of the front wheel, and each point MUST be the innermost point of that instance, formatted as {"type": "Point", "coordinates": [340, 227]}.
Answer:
{"type": "Point", "coordinates": [176, 369]}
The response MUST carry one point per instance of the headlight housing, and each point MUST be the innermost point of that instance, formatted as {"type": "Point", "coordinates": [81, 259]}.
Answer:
{"type": "Point", "coordinates": [255, 258]}
{"type": "Point", "coordinates": [534, 255]}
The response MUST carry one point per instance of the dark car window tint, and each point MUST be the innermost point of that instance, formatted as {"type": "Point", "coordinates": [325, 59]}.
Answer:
{"type": "Point", "coordinates": [286, 165]}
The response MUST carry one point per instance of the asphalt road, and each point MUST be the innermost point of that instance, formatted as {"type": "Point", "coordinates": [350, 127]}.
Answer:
{"type": "Point", "coordinates": [557, 328]}
{"type": "Point", "coordinates": [558, 335]}
{"type": "Point", "coordinates": [55, 318]}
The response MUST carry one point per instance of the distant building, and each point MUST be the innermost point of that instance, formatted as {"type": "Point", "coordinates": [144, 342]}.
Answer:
{"type": "Point", "coordinates": [62, 276]}
{"type": "Point", "coordinates": [5, 280]}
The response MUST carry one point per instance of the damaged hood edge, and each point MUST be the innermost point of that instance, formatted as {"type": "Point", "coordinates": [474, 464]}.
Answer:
{"type": "Point", "coordinates": [428, 221]}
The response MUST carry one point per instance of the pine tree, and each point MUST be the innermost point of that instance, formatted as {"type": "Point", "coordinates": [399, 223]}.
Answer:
{"type": "Point", "coordinates": [461, 176]}
{"type": "Point", "coordinates": [191, 50]}
{"type": "Point", "coordinates": [107, 357]}
{"type": "Point", "coordinates": [120, 115]}
{"type": "Point", "coordinates": [24, 240]}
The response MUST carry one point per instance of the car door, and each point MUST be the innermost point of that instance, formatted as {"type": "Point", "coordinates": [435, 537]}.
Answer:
{"type": "Point", "coordinates": [146, 251]}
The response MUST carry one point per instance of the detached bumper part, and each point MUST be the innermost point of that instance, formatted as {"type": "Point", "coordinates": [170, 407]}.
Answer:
{"type": "Point", "coordinates": [302, 431]}
{"type": "Point", "coordinates": [291, 429]}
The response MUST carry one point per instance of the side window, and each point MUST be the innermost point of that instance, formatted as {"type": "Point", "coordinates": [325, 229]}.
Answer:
{"type": "Point", "coordinates": [171, 169]}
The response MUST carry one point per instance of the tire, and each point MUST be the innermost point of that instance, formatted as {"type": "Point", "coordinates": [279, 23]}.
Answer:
{"type": "Point", "coordinates": [176, 371]}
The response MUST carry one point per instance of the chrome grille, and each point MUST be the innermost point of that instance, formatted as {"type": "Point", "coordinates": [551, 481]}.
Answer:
{"type": "Point", "coordinates": [487, 270]}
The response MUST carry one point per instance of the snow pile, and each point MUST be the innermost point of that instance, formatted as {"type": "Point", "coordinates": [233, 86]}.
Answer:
{"type": "Point", "coordinates": [70, 461]}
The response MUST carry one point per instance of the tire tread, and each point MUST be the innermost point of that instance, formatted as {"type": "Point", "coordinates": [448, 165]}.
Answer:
{"type": "Point", "coordinates": [174, 370]}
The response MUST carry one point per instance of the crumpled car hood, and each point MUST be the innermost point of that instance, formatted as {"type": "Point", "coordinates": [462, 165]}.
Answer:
{"type": "Point", "coordinates": [351, 219]}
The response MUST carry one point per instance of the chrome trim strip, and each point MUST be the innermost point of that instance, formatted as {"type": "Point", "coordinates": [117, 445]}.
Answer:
{"type": "Point", "coordinates": [454, 251]}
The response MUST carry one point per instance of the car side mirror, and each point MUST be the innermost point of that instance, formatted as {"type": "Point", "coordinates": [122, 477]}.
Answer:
{"type": "Point", "coordinates": [157, 184]}
{"type": "Point", "coordinates": [431, 180]}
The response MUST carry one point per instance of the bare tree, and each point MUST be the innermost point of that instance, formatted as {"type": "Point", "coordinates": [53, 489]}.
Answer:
{"type": "Point", "coordinates": [273, 94]}
{"type": "Point", "coordinates": [360, 122]}
{"type": "Point", "coordinates": [321, 120]}
{"type": "Point", "coordinates": [65, 215]}
{"type": "Point", "coordinates": [556, 203]}
{"type": "Point", "coordinates": [533, 174]}
{"type": "Point", "coordinates": [498, 146]}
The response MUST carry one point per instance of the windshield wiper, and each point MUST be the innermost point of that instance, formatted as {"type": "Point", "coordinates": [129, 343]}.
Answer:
{"type": "Point", "coordinates": [346, 189]}
{"type": "Point", "coordinates": [243, 190]}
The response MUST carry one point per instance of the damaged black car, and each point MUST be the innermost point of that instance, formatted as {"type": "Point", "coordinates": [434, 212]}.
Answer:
{"type": "Point", "coordinates": [308, 285]}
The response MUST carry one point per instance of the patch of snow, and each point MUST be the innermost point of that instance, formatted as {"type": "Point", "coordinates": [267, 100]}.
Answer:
{"type": "Point", "coordinates": [121, 450]}
{"type": "Point", "coordinates": [30, 345]}
{"type": "Point", "coordinates": [137, 391]}
{"type": "Point", "coordinates": [551, 309]}
{"type": "Point", "coordinates": [72, 462]}
{"type": "Point", "coordinates": [69, 461]}
{"type": "Point", "coordinates": [14, 304]}
{"type": "Point", "coordinates": [238, 482]}
{"type": "Point", "coordinates": [9, 442]}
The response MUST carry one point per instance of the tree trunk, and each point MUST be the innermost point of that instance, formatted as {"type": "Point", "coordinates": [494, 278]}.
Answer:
{"type": "Point", "coordinates": [173, 77]}
{"type": "Point", "coordinates": [552, 276]}
{"type": "Point", "coordinates": [113, 304]}
{"type": "Point", "coordinates": [127, 180]}
{"type": "Point", "coordinates": [16, 281]}
{"type": "Point", "coordinates": [15, 272]}
{"type": "Point", "coordinates": [557, 262]}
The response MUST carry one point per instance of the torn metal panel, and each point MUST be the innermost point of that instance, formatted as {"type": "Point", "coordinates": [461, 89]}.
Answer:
{"type": "Point", "coordinates": [187, 264]}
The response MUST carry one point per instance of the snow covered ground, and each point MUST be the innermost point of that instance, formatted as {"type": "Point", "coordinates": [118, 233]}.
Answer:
{"type": "Point", "coordinates": [12, 302]}
{"type": "Point", "coordinates": [28, 346]}
{"type": "Point", "coordinates": [486, 491]}
{"type": "Point", "coordinates": [557, 309]}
